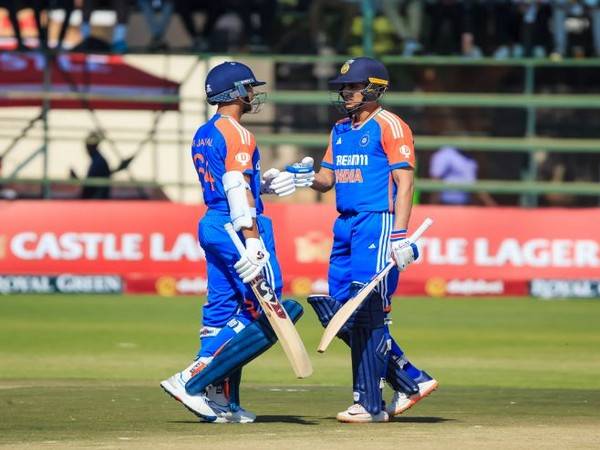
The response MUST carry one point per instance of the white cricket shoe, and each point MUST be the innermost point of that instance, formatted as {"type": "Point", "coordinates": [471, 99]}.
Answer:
{"type": "Point", "coordinates": [198, 404]}
{"type": "Point", "coordinates": [358, 414]}
{"type": "Point", "coordinates": [219, 402]}
{"type": "Point", "coordinates": [239, 416]}
{"type": "Point", "coordinates": [401, 402]}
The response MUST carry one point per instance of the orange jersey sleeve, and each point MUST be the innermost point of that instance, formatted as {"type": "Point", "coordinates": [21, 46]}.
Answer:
{"type": "Point", "coordinates": [327, 161]}
{"type": "Point", "coordinates": [240, 145]}
{"type": "Point", "coordinates": [396, 140]}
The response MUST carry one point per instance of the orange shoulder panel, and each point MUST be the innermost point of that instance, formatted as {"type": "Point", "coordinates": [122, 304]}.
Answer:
{"type": "Point", "coordinates": [240, 145]}
{"type": "Point", "coordinates": [396, 139]}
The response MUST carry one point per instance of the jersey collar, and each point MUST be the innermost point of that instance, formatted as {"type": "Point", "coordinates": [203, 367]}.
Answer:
{"type": "Point", "coordinates": [373, 114]}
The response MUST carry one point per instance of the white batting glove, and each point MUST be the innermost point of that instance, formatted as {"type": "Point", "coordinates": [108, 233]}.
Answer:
{"type": "Point", "coordinates": [276, 182]}
{"type": "Point", "coordinates": [403, 252]}
{"type": "Point", "coordinates": [252, 261]}
{"type": "Point", "coordinates": [304, 172]}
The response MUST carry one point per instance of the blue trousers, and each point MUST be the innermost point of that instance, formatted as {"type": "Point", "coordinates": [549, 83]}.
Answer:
{"type": "Point", "coordinates": [360, 247]}
{"type": "Point", "coordinates": [227, 295]}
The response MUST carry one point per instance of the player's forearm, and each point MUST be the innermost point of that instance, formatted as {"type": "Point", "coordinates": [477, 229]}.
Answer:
{"type": "Point", "coordinates": [404, 199]}
{"type": "Point", "coordinates": [251, 232]}
{"type": "Point", "coordinates": [324, 180]}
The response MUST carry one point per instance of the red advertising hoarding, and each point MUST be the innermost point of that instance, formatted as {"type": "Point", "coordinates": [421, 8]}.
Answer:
{"type": "Point", "coordinates": [153, 247]}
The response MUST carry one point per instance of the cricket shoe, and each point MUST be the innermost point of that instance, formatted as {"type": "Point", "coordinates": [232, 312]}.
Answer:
{"type": "Point", "coordinates": [401, 402]}
{"type": "Point", "coordinates": [197, 404]}
{"type": "Point", "coordinates": [218, 400]}
{"type": "Point", "coordinates": [240, 415]}
{"type": "Point", "coordinates": [358, 414]}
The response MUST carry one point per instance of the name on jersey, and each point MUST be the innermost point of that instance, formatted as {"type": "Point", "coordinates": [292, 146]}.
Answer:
{"type": "Point", "coordinates": [203, 142]}
{"type": "Point", "coordinates": [352, 160]}
{"type": "Point", "coordinates": [348, 176]}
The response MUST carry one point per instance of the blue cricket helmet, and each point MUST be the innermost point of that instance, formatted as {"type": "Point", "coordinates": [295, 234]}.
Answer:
{"type": "Point", "coordinates": [362, 70]}
{"type": "Point", "coordinates": [226, 82]}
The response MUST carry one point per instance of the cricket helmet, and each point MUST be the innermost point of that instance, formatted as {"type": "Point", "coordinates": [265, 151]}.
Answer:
{"type": "Point", "coordinates": [227, 82]}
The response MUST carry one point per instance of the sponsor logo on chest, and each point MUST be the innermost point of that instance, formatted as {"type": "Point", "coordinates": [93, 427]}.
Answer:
{"type": "Point", "coordinates": [352, 160]}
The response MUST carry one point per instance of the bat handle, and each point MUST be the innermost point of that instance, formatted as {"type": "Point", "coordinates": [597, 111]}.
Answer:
{"type": "Point", "coordinates": [419, 231]}
{"type": "Point", "coordinates": [235, 238]}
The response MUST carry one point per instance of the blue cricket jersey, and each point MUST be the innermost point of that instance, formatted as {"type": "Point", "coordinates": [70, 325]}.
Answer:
{"type": "Point", "coordinates": [222, 145]}
{"type": "Point", "coordinates": [363, 158]}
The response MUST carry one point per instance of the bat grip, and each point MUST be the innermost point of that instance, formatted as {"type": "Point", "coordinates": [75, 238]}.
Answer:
{"type": "Point", "coordinates": [239, 245]}
{"type": "Point", "coordinates": [419, 231]}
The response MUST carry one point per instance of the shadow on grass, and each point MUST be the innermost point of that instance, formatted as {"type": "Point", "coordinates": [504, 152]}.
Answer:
{"type": "Point", "coordinates": [421, 419]}
{"type": "Point", "coordinates": [286, 419]}
{"type": "Point", "coordinates": [262, 419]}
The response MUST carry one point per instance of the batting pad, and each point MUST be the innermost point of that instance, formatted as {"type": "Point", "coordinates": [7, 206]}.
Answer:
{"type": "Point", "coordinates": [325, 307]}
{"type": "Point", "coordinates": [249, 343]}
{"type": "Point", "coordinates": [370, 354]}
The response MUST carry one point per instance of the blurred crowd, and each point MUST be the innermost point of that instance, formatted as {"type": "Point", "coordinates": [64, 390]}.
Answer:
{"type": "Point", "coordinates": [472, 28]}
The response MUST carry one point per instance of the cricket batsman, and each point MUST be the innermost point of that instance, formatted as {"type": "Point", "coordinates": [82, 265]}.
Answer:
{"type": "Point", "coordinates": [234, 331]}
{"type": "Point", "coordinates": [370, 161]}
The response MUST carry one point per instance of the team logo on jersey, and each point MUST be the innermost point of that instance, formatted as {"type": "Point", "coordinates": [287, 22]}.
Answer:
{"type": "Point", "coordinates": [339, 141]}
{"type": "Point", "coordinates": [364, 140]}
{"type": "Point", "coordinates": [346, 67]}
{"type": "Point", "coordinates": [243, 158]}
{"type": "Point", "coordinates": [405, 150]}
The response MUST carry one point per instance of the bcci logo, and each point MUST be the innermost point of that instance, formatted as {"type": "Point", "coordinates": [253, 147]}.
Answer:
{"type": "Point", "coordinates": [364, 140]}
{"type": "Point", "coordinates": [405, 150]}
{"type": "Point", "coordinates": [243, 158]}
{"type": "Point", "coordinates": [346, 67]}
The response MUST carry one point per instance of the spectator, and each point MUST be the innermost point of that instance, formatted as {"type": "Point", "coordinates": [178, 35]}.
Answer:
{"type": "Point", "coordinates": [98, 169]}
{"type": "Point", "coordinates": [258, 17]}
{"type": "Point", "coordinates": [451, 27]}
{"type": "Point", "coordinates": [563, 8]}
{"type": "Point", "coordinates": [41, 6]}
{"type": "Point", "coordinates": [119, 39]}
{"type": "Point", "coordinates": [186, 8]}
{"type": "Point", "coordinates": [535, 35]}
{"type": "Point", "coordinates": [12, 6]}
{"type": "Point", "coordinates": [228, 24]}
{"type": "Point", "coordinates": [506, 29]}
{"type": "Point", "coordinates": [454, 167]}
{"type": "Point", "coordinates": [406, 17]}
{"type": "Point", "coordinates": [344, 11]}
{"type": "Point", "coordinates": [67, 6]}
{"type": "Point", "coordinates": [158, 25]}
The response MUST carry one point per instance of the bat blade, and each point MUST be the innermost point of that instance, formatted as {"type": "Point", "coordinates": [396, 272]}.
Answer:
{"type": "Point", "coordinates": [344, 313]}
{"type": "Point", "coordinates": [280, 321]}
{"type": "Point", "coordinates": [284, 328]}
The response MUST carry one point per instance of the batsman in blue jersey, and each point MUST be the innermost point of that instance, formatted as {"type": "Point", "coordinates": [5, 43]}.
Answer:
{"type": "Point", "coordinates": [370, 161]}
{"type": "Point", "coordinates": [227, 161]}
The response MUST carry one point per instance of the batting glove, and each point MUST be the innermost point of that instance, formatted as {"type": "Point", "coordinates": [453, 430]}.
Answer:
{"type": "Point", "coordinates": [252, 261]}
{"type": "Point", "coordinates": [276, 182]}
{"type": "Point", "coordinates": [403, 252]}
{"type": "Point", "coordinates": [304, 172]}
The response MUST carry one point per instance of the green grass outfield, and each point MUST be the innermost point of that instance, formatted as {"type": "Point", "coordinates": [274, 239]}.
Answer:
{"type": "Point", "coordinates": [83, 371]}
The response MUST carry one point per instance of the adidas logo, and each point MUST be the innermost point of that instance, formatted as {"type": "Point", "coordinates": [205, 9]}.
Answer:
{"type": "Point", "coordinates": [372, 246]}
{"type": "Point", "coordinates": [339, 141]}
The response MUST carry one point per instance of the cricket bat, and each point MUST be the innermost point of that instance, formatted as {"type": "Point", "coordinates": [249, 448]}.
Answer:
{"type": "Point", "coordinates": [344, 313]}
{"type": "Point", "coordinates": [281, 323]}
